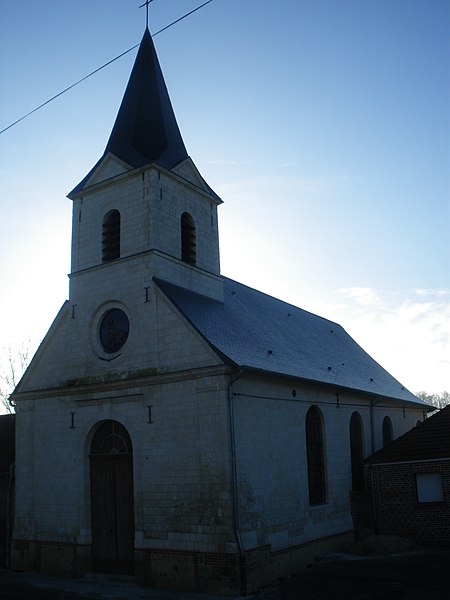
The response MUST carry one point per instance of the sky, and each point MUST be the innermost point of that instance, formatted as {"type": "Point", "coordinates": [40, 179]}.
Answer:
{"type": "Point", "coordinates": [322, 124]}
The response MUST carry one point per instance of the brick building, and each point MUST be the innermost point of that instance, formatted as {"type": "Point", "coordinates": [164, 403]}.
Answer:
{"type": "Point", "coordinates": [7, 458]}
{"type": "Point", "coordinates": [173, 423]}
{"type": "Point", "coordinates": [409, 480]}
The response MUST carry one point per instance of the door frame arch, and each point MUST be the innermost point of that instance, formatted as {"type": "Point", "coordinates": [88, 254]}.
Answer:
{"type": "Point", "coordinates": [110, 453]}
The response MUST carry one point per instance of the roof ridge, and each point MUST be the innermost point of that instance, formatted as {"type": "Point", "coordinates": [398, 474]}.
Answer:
{"type": "Point", "coordinates": [285, 302]}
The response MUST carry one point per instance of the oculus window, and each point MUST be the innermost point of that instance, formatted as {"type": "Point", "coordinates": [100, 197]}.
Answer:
{"type": "Point", "coordinates": [113, 330]}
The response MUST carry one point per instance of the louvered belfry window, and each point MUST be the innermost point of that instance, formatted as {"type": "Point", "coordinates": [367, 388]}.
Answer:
{"type": "Point", "coordinates": [188, 239]}
{"type": "Point", "coordinates": [111, 236]}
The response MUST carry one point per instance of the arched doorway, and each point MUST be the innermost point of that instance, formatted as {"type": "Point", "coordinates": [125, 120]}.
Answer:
{"type": "Point", "coordinates": [112, 501]}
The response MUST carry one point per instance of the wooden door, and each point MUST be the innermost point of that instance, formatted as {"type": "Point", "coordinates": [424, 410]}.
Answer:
{"type": "Point", "coordinates": [112, 502]}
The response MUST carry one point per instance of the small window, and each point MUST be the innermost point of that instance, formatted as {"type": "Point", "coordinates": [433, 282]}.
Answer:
{"type": "Point", "coordinates": [429, 487]}
{"type": "Point", "coordinates": [315, 456]}
{"type": "Point", "coordinates": [111, 236]}
{"type": "Point", "coordinates": [388, 434]}
{"type": "Point", "coordinates": [188, 239]}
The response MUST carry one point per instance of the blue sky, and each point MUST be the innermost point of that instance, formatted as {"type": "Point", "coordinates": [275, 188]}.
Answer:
{"type": "Point", "coordinates": [322, 124]}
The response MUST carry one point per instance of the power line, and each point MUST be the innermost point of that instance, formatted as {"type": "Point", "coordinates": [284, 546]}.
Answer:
{"type": "Point", "coordinates": [67, 89]}
{"type": "Point", "coordinates": [99, 69]}
{"type": "Point", "coordinates": [183, 17]}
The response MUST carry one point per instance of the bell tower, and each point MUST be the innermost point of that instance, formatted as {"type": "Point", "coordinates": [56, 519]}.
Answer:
{"type": "Point", "coordinates": [144, 210]}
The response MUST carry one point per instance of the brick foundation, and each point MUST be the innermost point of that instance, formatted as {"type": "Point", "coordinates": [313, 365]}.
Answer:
{"type": "Point", "coordinates": [213, 572]}
{"type": "Point", "coordinates": [362, 513]}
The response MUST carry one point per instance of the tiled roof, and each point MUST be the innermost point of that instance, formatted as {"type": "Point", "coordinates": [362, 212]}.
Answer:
{"type": "Point", "coordinates": [429, 439]}
{"type": "Point", "coordinates": [7, 441]}
{"type": "Point", "coordinates": [253, 330]}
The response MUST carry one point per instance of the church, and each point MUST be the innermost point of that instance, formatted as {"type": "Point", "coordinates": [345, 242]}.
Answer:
{"type": "Point", "coordinates": [175, 425]}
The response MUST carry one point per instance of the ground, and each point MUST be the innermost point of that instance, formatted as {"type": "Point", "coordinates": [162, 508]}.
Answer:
{"type": "Point", "coordinates": [383, 572]}
{"type": "Point", "coordinates": [419, 575]}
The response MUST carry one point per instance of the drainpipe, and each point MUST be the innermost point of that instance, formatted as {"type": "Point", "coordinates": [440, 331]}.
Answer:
{"type": "Point", "coordinates": [9, 515]}
{"type": "Point", "coordinates": [236, 520]}
{"type": "Point", "coordinates": [372, 427]}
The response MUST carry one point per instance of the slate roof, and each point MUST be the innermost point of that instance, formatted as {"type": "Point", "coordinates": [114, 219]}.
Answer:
{"type": "Point", "coordinates": [145, 130]}
{"type": "Point", "coordinates": [256, 331]}
{"type": "Point", "coordinates": [7, 441]}
{"type": "Point", "coordinates": [429, 440]}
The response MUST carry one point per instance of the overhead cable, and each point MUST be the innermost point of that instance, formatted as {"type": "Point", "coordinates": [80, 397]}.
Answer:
{"type": "Point", "coordinates": [99, 69]}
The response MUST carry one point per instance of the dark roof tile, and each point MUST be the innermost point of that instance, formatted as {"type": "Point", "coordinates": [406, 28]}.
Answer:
{"type": "Point", "coordinates": [257, 331]}
{"type": "Point", "coordinates": [428, 440]}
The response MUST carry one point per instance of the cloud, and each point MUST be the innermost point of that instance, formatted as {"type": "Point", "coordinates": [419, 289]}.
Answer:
{"type": "Point", "coordinates": [408, 332]}
{"type": "Point", "coordinates": [363, 296]}
{"type": "Point", "coordinates": [268, 188]}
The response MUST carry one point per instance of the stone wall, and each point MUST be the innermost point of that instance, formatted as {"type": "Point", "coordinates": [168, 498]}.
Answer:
{"type": "Point", "coordinates": [273, 501]}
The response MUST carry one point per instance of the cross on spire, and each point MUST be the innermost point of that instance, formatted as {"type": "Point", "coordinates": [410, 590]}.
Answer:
{"type": "Point", "coordinates": [146, 3]}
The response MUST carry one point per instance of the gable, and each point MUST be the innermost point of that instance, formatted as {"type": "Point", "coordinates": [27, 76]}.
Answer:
{"type": "Point", "coordinates": [188, 171]}
{"type": "Point", "coordinates": [49, 353]}
{"type": "Point", "coordinates": [109, 166]}
{"type": "Point", "coordinates": [161, 341]}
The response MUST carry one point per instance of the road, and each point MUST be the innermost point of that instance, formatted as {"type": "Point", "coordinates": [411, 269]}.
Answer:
{"type": "Point", "coordinates": [421, 575]}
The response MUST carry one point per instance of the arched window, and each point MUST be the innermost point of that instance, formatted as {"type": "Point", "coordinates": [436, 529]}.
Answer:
{"type": "Point", "coordinates": [388, 434]}
{"type": "Point", "coordinates": [111, 438]}
{"type": "Point", "coordinates": [111, 236]}
{"type": "Point", "coordinates": [357, 451]}
{"type": "Point", "coordinates": [315, 456]}
{"type": "Point", "coordinates": [188, 239]}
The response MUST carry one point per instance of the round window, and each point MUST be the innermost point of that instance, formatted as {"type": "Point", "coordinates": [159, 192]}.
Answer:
{"type": "Point", "coordinates": [114, 330]}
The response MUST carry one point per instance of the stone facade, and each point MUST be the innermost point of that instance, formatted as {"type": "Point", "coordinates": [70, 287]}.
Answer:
{"type": "Point", "coordinates": [196, 526]}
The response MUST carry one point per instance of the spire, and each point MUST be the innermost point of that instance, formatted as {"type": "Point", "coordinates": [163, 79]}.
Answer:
{"type": "Point", "coordinates": [145, 129]}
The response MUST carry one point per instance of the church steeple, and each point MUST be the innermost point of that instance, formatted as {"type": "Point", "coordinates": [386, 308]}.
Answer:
{"type": "Point", "coordinates": [145, 204]}
{"type": "Point", "coordinates": [146, 130]}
